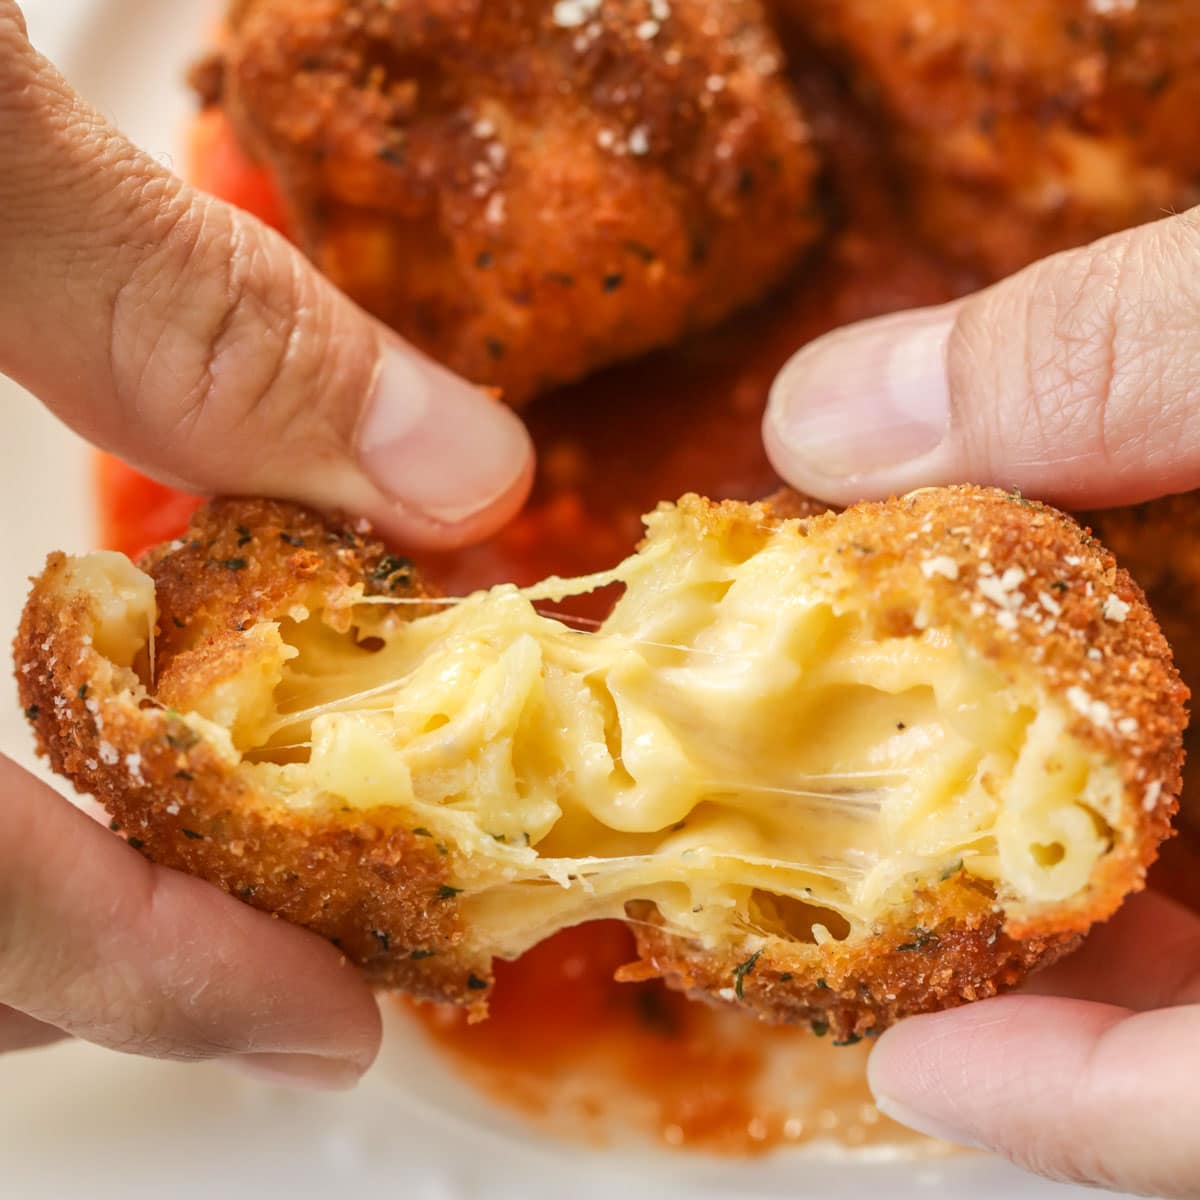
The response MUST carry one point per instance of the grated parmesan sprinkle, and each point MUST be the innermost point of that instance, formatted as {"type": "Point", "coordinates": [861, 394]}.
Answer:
{"type": "Point", "coordinates": [1096, 711]}
{"type": "Point", "coordinates": [1051, 605]}
{"type": "Point", "coordinates": [943, 565]}
{"type": "Point", "coordinates": [571, 14]}
{"type": "Point", "coordinates": [1115, 609]}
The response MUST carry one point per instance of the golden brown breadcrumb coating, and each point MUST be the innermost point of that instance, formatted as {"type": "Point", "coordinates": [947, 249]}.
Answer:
{"type": "Point", "coordinates": [1024, 598]}
{"type": "Point", "coordinates": [529, 189]}
{"type": "Point", "coordinates": [1158, 543]}
{"type": "Point", "coordinates": [1021, 129]}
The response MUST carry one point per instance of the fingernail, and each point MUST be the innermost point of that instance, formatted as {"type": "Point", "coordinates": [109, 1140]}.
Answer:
{"type": "Point", "coordinates": [866, 398]}
{"type": "Point", "coordinates": [438, 446]}
{"type": "Point", "coordinates": [931, 1125]}
{"type": "Point", "coordinates": [299, 1070]}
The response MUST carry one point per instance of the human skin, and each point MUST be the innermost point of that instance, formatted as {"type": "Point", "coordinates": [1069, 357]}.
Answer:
{"type": "Point", "coordinates": [193, 342]}
{"type": "Point", "coordinates": [1076, 381]}
{"type": "Point", "coordinates": [206, 352]}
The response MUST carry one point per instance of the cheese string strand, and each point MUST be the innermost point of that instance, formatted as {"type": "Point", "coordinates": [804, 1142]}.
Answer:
{"type": "Point", "coordinates": [567, 619]}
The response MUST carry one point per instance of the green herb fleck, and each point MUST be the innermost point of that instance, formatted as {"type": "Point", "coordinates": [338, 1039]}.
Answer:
{"type": "Point", "coordinates": [178, 623]}
{"type": "Point", "coordinates": [243, 535]}
{"type": "Point", "coordinates": [31, 713]}
{"type": "Point", "coordinates": [446, 892]}
{"type": "Point", "coordinates": [851, 1040]}
{"type": "Point", "coordinates": [921, 939]}
{"type": "Point", "coordinates": [641, 250]}
{"type": "Point", "coordinates": [115, 825]}
{"type": "Point", "coordinates": [234, 564]}
{"type": "Point", "coordinates": [83, 691]}
{"type": "Point", "coordinates": [613, 281]}
{"type": "Point", "coordinates": [495, 347]}
{"type": "Point", "coordinates": [742, 970]}
{"type": "Point", "coordinates": [421, 831]}
{"type": "Point", "coordinates": [292, 540]}
{"type": "Point", "coordinates": [192, 835]}
{"type": "Point", "coordinates": [182, 741]}
{"type": "Point", "coordinates": [391, 569]}
{"type": "Point", "coordinates": [820, 1028]}
{"type": "Point", "coordinates": [484, 259]}
{"type": "Point", "coordinates": [822, 985]}
{"type": "Point", "coordinates": [475, 983]}
{"type": "Point", "coordinates": [187, 776]}
{"type": "Point", "coordinates": [952, 869]}
{"type": "Point", "coordinates": [441, 848]}
{"type": "Point", "coordinates": [786, 977]}
{"type": "Point", "coordinates": [382, 938]}
{"type": "Point", "coordinates": [1019, 499]}
{"type": "Point", "coordinates": [1060, 586]}
{"type": "Point", "coordinates": [417, 955]}
{"type": "Point", "coordinates": [136, 843]}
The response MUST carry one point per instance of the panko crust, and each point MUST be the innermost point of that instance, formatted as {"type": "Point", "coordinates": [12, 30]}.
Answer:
{"type": "Point", "coordinates": [529, 189]}
{"type": "Point", "coordinates": [948, 948]}
{"type": "Point", "coordinates": [358, 878]}
{"type": "Point", "coordinates": [380, 890]}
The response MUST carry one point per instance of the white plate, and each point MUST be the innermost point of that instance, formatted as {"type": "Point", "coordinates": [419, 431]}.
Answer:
{"type": "Point", "coordinates": [76, 1121]}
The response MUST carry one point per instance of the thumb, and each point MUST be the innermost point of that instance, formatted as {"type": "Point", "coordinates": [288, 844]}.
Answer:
{"type": "Point", "coordinates": [1070, 1089]}
{"type": "Point", "coordinates": [1075, 380]}
{"type": "Point", "coordinates": [192, 341]}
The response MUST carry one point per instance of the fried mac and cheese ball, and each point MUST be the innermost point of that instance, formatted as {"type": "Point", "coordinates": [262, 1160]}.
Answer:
{"type": "Point", "coordinates": [1024, 128]}
{"type": "Point", "coordinates": [529, 189]}
{"type": "Point", "coordinates": [834, 769]}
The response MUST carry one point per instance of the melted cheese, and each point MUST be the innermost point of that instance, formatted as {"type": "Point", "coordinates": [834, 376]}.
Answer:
{"type": "Point", "coordinates": [735, 744]}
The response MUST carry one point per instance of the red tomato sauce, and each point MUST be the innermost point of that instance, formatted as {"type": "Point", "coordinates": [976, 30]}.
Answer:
{"type": "Point", "coordinates": [564, 1041]}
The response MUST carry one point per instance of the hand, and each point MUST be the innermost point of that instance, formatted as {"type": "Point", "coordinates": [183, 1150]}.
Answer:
{"type": "Point", "coordinates": [191, 341]}
{"type": "Point", "coordinates": [1076, 381]}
